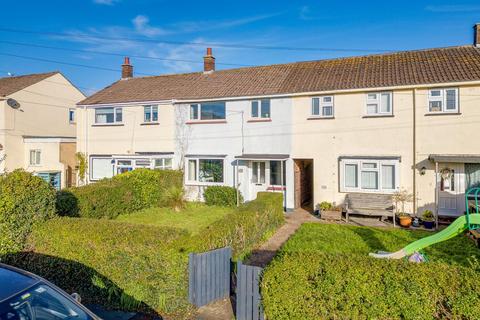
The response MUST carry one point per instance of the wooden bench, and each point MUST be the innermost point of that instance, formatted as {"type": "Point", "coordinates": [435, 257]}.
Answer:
{"type": "Point", "coordinates": [369, 204]}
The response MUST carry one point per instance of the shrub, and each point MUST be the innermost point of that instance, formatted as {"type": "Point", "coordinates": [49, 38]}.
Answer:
{"type": "Point", "coordinates": [325, 206]}
{"type": "Point", "coordinates": [175, 198]}
{"type": "Point", "coordinates": [25, 200]}
{"type": "Point", "coordinates": [124, 193]}
{"type": "Point", "coordinates": [221, 196]}
{"type": "Point", "coordinates": [428, 215]}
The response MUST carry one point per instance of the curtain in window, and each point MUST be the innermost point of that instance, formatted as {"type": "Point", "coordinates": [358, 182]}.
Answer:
{"type": "Point", "coordinates": [385, 103]}
{"type": "Point", "coordinates": [192, 170]}
{"type": "Point", "coordinates": [388, 177]}
{"type": "Point", "coordinates": [104, 115]}
{"type": "Point", "coordinates": [351, 176]}
{"type": "Point", "coordinates": [369, 180]}
{"type": "Point", "coordinates": [472, 175]}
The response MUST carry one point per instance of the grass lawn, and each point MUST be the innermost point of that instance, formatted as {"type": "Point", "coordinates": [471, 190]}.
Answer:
{"type": "Point", "coordinates": [195, 217]}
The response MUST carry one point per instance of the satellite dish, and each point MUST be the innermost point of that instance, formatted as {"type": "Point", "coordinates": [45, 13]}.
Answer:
{"type": "Point", "coordinates": [14, 104]}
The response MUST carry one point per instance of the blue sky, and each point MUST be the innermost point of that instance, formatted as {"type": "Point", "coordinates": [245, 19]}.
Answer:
{"type": "Point", "coordinates": [372, 26]}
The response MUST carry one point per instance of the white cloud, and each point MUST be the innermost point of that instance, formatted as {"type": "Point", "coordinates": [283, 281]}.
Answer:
{"type": "Point", "coordinates": [142, 27]}
{"type": "Point", "coordinates": [452, 8]}
{"type": "Point", "coordinates": [106, 2]}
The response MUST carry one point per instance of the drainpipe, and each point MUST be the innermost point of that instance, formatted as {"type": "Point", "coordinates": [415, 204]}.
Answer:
{"type": "Point", "coordinates": [237, 184]}
{"type": "Point", "coordinates": [414, 155]}
{"type": "Point", "coordinates": [436, 195]}
{"type": "Point", "coordinates": [281, 184]}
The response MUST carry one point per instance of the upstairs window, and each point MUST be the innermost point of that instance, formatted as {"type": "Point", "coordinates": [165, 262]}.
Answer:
{"type": "Point", "coordinates": [260, 109]}
{"type": "Point", "coordinates": [379, 103]}
{"type": "Point", "coordinates": [150, 114]}
{"type": "Point", "coordinates": [35, 157]}
{"type": "Point", "coordinates": [443, 100]}
{"type": "Point", "coordinates": [71, 115]}
{"type": "Point", "coordinates": [108, 115]}
{"type": "Point", "coordinates": [322, 107]}
{"type": "Point", "coordinates": [207, 111]}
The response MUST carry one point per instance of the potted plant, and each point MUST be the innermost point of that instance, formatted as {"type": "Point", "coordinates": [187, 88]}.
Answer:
{"type": "Point", "coordinates": [330, 212]}
{"type": "Point", "coordinates": [428, 219]}
{"type": "Point", "coordinates": [405, 219]}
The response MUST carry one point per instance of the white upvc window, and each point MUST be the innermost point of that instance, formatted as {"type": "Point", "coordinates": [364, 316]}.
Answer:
{"type": "Point", "coordinates": [205, 171]}
{"type": "Point", "coordinates": [150, 114]}
{"type": "Point", "coordinates": [108, 115]}
{"type": "Point", "coordinates": [443, 100]}
{"type": "Point", "coordinates": [379, 104]}
{"type": "Point", "coordinates": [163, 163]}
{"type": "Point", "coordinates": [369, 175]}
{"type": "Point", "coordinates": [208, 111]}
{"type": "Point", "coordinates": [260, 109]}
{"type": "Point", "coordinates": [258, 172]}
{"type": "Point", "coordinates": [35, 157]}
{"type": "Point", "coordinates": [322, 107]}
{"type": "Point", "coordinates": [71, 115]}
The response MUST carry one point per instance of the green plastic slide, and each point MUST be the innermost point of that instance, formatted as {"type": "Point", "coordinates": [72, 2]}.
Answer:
{"type": "Point", "coordinates": [457, 227]}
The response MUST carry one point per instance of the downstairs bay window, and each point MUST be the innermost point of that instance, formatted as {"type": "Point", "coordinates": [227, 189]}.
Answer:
{"type": "Point", "coordinates": [369, 175]}
{"type": "Point", "coordinates": [205, 171]}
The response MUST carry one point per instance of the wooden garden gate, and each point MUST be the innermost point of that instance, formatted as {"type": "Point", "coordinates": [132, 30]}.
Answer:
{"type": "Point", "coordinates": [248, 297]}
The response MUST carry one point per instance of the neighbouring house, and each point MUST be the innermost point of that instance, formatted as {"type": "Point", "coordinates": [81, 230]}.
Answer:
{"type": "Point", "coordinates": [37, 126]}
{"type": "Point", "coordinates": [314, 130]}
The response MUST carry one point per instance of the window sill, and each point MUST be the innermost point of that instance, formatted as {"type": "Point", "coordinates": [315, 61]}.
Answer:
{"type": "Point", "coordinates": [206, 122]}
{"type": "Point", "coordinates": [320, 118]}
{"type": "Point", "coordinates": [260, 120]}
{"type": "Point", "coordinates": [204, 184]}
{"type": "Point", "coordinates": [108, 124]}
{"type": "Point", "coordinates": [378, 116]}
{"type": "Point", "coordinates": [428, 114]}
{"type": "Point", "coordinates": [149, 123]}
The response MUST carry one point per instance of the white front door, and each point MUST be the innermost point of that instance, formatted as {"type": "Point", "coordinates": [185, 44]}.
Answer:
{"type": "Point", "coordinates": [258, 175]}
{"type": "Point", "coordinates": [451, 186]}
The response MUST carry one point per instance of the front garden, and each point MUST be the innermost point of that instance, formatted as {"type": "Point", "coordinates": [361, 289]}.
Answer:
{"type": "Point", "coordinates": [324, 272]}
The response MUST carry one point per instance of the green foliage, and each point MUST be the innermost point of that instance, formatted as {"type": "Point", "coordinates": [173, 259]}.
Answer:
{"type": "Point", "coordinates": [324, 271]}
{"type": "Point", "coordinates": [82, 166]}
{"type": "Point", "coordinates": [175, 198]}
{"type": "Point", "coordinates": [325, 206]}
{"type": "Point", "coordinates": [25, 200]}
{"type": "Point", "coordinates": [428, 215]}
{"type": "Point", "coordinates": [221, 196]}
{"type": "Point", "coordinates": [135, 266]}
{"type": "Point", "coordinates": [122, 194]}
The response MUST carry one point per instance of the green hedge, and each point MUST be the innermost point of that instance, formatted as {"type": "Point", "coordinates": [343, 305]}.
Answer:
{"type": "Point", "coordinates": [221, 196]}
{"type": "Point", "coordinates": [324, 271]}
{"type": "Point", "coordinates": [124, 193]}
{"type": "Point", "coordinates": [135, 266]}
{"type": "Point", "coordinates": [25, 200]}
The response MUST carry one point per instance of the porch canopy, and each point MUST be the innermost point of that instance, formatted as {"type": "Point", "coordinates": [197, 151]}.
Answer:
{"type": "Point", "coordinates": [455, 158]}
{"type": "Point", "coordinates": [264, 157]}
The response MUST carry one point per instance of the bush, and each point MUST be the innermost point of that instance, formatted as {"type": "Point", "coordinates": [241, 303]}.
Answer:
{"type": "Point", "coordinates": [221, 196]}
{"type": "Point", "coordinates": [25, 200]}
{"type": "Point", "coordinates": [325, 206]}
{"type": "Point", "coordinates": [139, 267]}
{"type": "Point", "coordinates": [122, 194]}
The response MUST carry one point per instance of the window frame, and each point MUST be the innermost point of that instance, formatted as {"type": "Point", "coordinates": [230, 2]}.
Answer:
{"type": "Point", "coordinates": [378, 101]}
{"type": "Point", "coordinates": [71, 115]}
{"type": "Point", "coordinates": [321, 105]}
{"type": "Point", "coordinates": [443, 100]}
{"type": "Point", "coordinates": [38, 157]}
{"type": "Point", "coordinates": [198, 107]}
{"type": "Point", "coordinates": [163, 166]}
{"type": "Point", "coordinates": [359, 162]}
{"type": "Point", "coordinates": [259, 115]}
{"type": "Point", "coordinates": [197, 171]}
{"type": "Point", "coordinates": [150, 109]}
{"type": "Point", "coordinates": [115, 116]}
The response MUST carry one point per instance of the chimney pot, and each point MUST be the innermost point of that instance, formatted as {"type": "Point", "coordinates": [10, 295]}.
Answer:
{"type": "Point", "coordinates": [208, 62]}
{"type": "Point", "coordinates": [476, 35]}
{"type": "Point", "coordinates": [127, 69]}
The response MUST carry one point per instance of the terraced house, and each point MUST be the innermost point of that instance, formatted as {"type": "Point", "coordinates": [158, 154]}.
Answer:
{"type": "Point", "coordinates": [315, 130]}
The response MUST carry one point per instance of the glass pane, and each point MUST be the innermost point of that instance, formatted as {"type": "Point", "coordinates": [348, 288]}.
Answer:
{"type": "Point", "coordinates": [118, 115]}
{"type": "Point", "coordinates": [316, 106]}
{"type": "Point", "coordinates": [472, 175]}
{"type": "Point", "coordinates": [155, 113]}
{"type": "Point", "coordinates": [193, 111]}
{"type": "Point", "coordinates": [388, 177]}
{"type": "Point", "coordinates": [265, 108]}
{"type": "Point", "coordinates": [255, 172]}
{"type": "Point", "coordinates": [262, 172]}
{"type": "Point", "coordinates": [275, 171]}
{"type": "Point", "coordinates": [369, 180]}
{"type": "Point", "coordinates": [158, 163]}
{"type": "Point", "coordinates": [435, 93]}
{"type": "Point", "coordinates": [385, 103]}
{"type": "Point", "coordinates": [451, 100]}
{"type": "Point", "coordinates": [327, 111]}
{"type": "Point", "coordinates": [168, 163]}
{"type": "Point", "coordinates": [254, 109]}
{"type": "Point", "coordinates": [351, 179]}
{"type": "Point", "coordinates": [192, 170]}
{"type": "Point", "coordinates": [147, 114]}
{"type": "Point", "coordinates": [369, 165]}
{"type": "Point", "coordinates": [372, 96]}
{"type": "Point", "coordinates": [435, 106]}
{"type": "Point", "coordinates": [210, 170]}
{"type": "Point", "coordinates": [327, 99]}
{"type": "Point", "coordinates": [124, 162]}
{"type": "Point", "coordinates": [372, 108]}
{"type": "Point", "coordinates": [212, 111]}
{"type": "Point", "coordinates": [104, 115]}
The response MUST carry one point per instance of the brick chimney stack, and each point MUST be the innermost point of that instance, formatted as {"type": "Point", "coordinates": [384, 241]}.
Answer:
{"type": "Point", "coordinates": [476, 35]}
{"type": "Point", "coordinates": [208, 62]}
{"type": "Point", "coordinates": [127, 69]}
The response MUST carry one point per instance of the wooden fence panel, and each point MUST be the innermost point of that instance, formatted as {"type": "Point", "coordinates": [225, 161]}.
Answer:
{"type": "Point", "coordinates": [249, 306]}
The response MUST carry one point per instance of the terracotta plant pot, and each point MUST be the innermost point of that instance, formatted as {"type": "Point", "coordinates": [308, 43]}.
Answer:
{"type": "Point", "coordinates": [405, 221]}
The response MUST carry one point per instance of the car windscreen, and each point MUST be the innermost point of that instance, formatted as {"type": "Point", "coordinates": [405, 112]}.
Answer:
{"type": "Point", "coordinates": [41, 302]}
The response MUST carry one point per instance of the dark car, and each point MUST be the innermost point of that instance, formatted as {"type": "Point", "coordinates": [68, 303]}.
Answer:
{"type": "Point", "coordinates": [25, 296]}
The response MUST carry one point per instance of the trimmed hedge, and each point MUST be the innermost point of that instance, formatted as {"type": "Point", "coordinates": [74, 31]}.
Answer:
{"type": "Point", "coordinates": [324, 271]}
{"type": "Point", "coordinates": [221, 196]}
{"type": "Point", "coordinates": [139, 267]}
{"type": "Point", "coordinates": [122, 194]}
{"type": "Point", "coordinates": [25, 200]}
